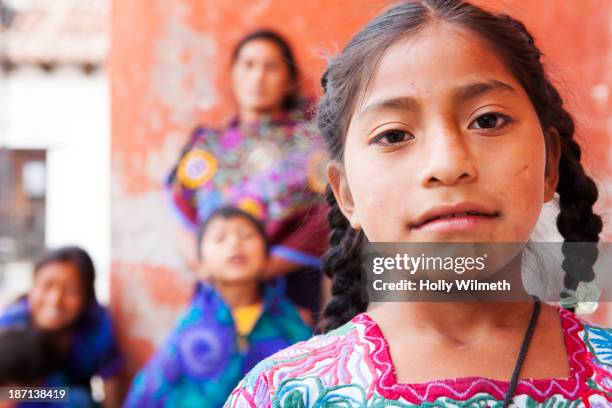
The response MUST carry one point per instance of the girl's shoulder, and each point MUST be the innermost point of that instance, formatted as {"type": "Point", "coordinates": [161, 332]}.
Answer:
{"type": "Point", "coordinates": [322, 363]}
{"type": "Point", "coordinates": [96, 318]}
{"type": "Point", "coordinates": [597, 339]}
{"type": "Point", "coordinates": [16, 314]}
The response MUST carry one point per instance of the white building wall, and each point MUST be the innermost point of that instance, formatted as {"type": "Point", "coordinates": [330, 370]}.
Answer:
{"type": "Point", "coordinates": [68, 113]}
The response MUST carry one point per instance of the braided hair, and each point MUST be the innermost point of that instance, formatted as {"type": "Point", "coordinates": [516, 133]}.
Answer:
{"type": "Point", "coordinates": [347, 77]}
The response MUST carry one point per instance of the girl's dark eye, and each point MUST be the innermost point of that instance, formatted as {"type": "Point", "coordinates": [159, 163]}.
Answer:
{"type": "Point", "coordinates": [490, 121]}
{"type": "Point", "coordinates": [391, 137]}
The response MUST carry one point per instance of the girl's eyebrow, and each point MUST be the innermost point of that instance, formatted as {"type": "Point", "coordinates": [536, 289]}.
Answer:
{"type": "Point", "coordinates": [398, 103]}
{"type": "Point", "coordinates": [407, 103]}
{"type": "Point", "coordinates": [477, 89]}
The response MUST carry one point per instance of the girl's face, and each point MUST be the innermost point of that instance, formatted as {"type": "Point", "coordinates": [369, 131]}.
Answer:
{"type": "Point", "coordinates": [444, 146]}
{"type": "Point", "coordinates": [260, 77]}
{"type": "Point", "coordinates": [57, 296]}
{"type": "Point", "coordinates": [232, 251]}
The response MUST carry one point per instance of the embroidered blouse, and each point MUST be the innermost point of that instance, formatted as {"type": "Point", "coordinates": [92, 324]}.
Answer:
{"type": "Point", "coordinates": [351, 367]}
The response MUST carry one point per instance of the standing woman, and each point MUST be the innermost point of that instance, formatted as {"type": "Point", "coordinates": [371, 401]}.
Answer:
{"type": "Point", "coordinates": [62, 304]}
{"type": "Point", "coordinates": [267, 161]}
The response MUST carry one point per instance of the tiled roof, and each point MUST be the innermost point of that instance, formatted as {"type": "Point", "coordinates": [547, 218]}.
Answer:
{"type": "Point", "coordinates": [52, 32]}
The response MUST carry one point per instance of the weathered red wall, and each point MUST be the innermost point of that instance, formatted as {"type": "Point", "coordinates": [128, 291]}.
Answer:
{"type": "Point", "coordinates": [169, 70]}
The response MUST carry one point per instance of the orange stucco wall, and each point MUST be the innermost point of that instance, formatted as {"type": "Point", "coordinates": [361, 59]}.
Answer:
{"type": "Point", "coordinates": [169, 70]}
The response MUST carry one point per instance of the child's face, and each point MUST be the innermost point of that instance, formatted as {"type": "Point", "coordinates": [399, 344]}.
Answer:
{"type": "Point", "coordinates": [232, 251]}
{"type": "Point", "coordinates": [443, 128]}
{"type": "Point", "coordinates": [57, 296]}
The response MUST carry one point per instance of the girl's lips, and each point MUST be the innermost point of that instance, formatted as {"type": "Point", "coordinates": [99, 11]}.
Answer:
{"type": "Point", "coordinates": [457, 222]}
{"type": "Point", "coordinates": [459, 215]}
{"type": "Point", "coordinates": [237, 259]}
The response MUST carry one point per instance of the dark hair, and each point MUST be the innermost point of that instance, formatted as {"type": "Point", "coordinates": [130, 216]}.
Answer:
{"type": "Point", "coordinates": [347, 75]}
{"type": "Point", "coordinates": [81, 261]}
{"type": "Point", "coordinates": [27, 356]}
{"type": "Point", "coordinates": [228, 212]}
{"type": "Point", "coordinates": [292, 99]}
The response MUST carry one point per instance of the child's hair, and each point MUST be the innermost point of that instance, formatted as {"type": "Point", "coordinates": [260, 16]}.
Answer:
{"type": "Point", "coordinates": [80, 259]}
{"type": "Point", "coordinates": [292, 99]}
{"type": "Point", "coordinates": [228, 212]}
{"type": "Point", "coordinates": [27, 356]}
{"type": "Point", "coordinates": [348, 74]}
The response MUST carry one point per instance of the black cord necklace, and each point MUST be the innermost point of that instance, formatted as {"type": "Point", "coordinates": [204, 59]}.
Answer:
{"type": "Point", "coordinates": [522, 353]}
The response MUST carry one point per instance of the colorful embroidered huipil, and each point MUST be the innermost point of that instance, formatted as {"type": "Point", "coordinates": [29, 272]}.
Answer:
{"type": "Point", "coordinates": [351, 367]}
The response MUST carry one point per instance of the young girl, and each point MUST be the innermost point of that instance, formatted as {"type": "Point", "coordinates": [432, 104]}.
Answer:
{"type": "Point", "coordinates": [443, 127]}
{"type": "Point", "coordinates": [233, 321]}
{"type": "Point", "coordinates": [62, 303]}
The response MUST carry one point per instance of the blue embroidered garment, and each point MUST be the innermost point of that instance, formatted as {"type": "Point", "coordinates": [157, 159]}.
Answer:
{"type": "Point", "coordinates": [201, 361]}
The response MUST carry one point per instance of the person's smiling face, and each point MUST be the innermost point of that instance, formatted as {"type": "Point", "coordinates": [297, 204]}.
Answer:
{"type": "Point", "coordinates": [443, 145]}
{"type": "Point", "coordinates": [57, 297]}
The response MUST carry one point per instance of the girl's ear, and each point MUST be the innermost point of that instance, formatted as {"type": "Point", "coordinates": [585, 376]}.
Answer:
{"type": "Point", "coordinates": [553, 157]}
{"type": "Point", "coordinates": [338, 183]}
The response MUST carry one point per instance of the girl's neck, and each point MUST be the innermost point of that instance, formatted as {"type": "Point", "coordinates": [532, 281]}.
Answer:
{"type": "Point", "coordinates": [251, 116]}
{"type": "Point", "coordinates": [456, 320]}
{"type": "Point", "coordinates": [239, 294]}
{"type": "Point", "coordinates": [460, 314]}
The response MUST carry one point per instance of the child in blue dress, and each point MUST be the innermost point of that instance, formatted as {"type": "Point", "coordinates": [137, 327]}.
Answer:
{"type": "Point", "coordinates": [233, 322]}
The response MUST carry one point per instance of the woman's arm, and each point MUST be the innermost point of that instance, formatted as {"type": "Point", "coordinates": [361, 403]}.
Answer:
{"type": "Point", "coordinates": [112, 392]}
{"type": "Point", "coordinates": [278, 266]}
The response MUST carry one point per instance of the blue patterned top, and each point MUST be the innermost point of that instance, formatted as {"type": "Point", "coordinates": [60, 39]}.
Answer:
{"type": "Point", "coordinates": [201, 361]}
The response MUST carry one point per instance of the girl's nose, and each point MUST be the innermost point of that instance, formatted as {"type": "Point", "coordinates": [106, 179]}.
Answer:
{"type": "Point", "coordinates": [54, 297]}
{"type": "Point", "coordinates": [258, 73]}
{"type": "Point", "coordinates": [448, 160]}
{"type": "Point", "coordinates": [234, 240]}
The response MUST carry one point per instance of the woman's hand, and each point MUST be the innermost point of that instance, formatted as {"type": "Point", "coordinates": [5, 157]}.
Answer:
{"type": "Point", "coordinates": [278, 266]}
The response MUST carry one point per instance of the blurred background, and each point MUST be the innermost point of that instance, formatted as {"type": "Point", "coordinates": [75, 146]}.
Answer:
{"type": "Point", "coordinates": [97, 97]}
{"type": "Point", "coordinates": [54, 135]}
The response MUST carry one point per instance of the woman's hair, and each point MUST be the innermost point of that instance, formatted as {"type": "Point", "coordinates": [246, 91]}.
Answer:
{"type": "Point", "coordinates": [80, 259]}
{"type": "Point", "coordinates": [293, 98]}
{"type": "Point", "coordinates": [347, 76]}
{"type": "Point", "coordinates": [229, 212]}
{"type": "Point", "coordinates": [27, 356]}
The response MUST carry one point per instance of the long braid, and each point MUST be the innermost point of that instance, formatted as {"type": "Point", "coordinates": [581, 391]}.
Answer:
{"type": "Point", "coordinates": [576, 220]}
{"type": "Point", "coordinates": [577, 192]}
{"type": "Point", "coordinates": [342, 263]}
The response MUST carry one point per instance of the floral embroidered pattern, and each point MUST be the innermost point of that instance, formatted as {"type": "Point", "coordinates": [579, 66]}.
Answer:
{"type": "Point", "coordinates": [196, 168]}
{"type": "Point", "coordinates": [270, 169]}
{"type": "Point", "coordinates": [351, 367]}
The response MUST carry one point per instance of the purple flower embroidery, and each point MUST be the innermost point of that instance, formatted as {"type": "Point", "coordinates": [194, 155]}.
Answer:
{"type": "Point", "coordinates": [231, 138]}
{"type": "Point", "coordinates": [171, 368]}
{"type": "Point", "coordinates": [204, 351]}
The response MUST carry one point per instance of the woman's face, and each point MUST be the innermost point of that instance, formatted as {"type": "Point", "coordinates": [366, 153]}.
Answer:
{"type": "Point", "coordinates": [57, 296]}
{"type": "Point", "coordinates": [233, 251]}
{"type": "Point", "coordinates": [260, 77]}
{"type": "Point", "coordinates": [443, 146]}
